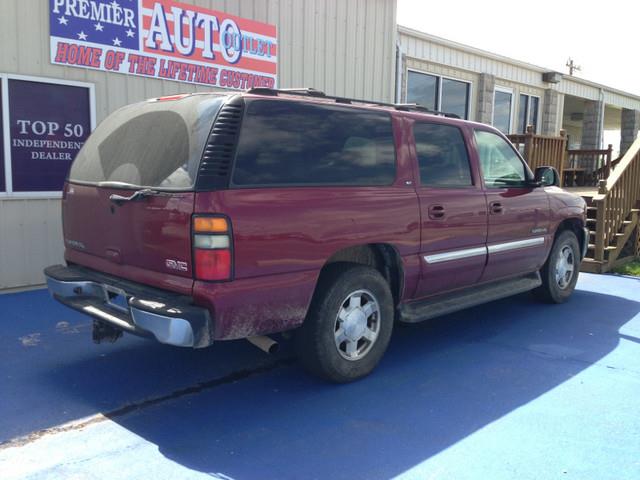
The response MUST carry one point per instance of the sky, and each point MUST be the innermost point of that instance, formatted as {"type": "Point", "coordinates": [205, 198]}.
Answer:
{"type": "Point", "coordinates": [601, 37]}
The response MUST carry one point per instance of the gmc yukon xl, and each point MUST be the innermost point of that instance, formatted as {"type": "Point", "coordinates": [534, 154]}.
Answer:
{"type": "Point", "coordinates": [198, 218]}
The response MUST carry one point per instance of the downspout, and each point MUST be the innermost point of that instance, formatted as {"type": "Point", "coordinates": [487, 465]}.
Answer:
{"type": "Point", "coordinates": [398, 98]}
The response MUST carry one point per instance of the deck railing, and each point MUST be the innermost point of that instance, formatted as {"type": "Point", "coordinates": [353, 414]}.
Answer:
{"type": "Point", "coordinates": [541, 150]}
{"type": "Point", "coordinates": [587, 167]}
{"type": "Point", "coordinates": [616, 203]}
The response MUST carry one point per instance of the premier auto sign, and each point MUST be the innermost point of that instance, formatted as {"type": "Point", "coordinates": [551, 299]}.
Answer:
{"type": "Point", "coordinates": [139, 37]}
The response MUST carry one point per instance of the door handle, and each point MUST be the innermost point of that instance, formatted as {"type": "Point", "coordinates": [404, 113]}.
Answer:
{"type": "Point", "coordinates": [436, 212]}
{"type": "Point", "coordinates": [495, 207]}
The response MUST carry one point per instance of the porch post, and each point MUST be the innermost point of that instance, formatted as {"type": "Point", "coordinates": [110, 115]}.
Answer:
{"type": "Point", "coordinates": [629, 126]}
{"type": "Point", "coordinates": [593, 125]}
{"type": "Point", "coordinates": [550, 106]}
{"type": "Point", "coordinates": [486, 86]}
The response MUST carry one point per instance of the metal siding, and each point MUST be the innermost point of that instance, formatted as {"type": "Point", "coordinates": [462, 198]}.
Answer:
{"type": "Point", "coordinates": [344, 47]}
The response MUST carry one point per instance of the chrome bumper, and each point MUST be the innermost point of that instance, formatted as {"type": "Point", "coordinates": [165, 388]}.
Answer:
{"type": "Point", "coordinates": [151, 315]}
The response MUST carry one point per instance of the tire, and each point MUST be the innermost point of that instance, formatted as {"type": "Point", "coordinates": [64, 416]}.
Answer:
{"type": "Point", "coordinates": [342, 339]}
{"type": "Point", "coordinates": [558, 282]}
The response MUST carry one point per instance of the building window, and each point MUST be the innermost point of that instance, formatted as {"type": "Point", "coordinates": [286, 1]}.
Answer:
{"type": "Point", "coordinates": [46, 122]}
{"type": "Point", "coordinates": [528, 113]}
{"type": "Point", "coordinates": [439, 93]}
{"type": "Point", "coordinates": [503, 110]}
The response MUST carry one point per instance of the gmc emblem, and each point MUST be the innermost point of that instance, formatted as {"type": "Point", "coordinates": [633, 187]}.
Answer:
{"type": "Point", "coordinates": [176, 265]}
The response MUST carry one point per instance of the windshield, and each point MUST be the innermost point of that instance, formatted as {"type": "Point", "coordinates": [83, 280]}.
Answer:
{"type": "Point", "coordinates": [150, 144]}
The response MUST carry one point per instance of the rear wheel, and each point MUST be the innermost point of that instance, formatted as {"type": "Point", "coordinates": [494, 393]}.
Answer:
{"type": "Point", "coordinates": [560, 272]}
{"type": "Point", "coordinates": [348, 325]}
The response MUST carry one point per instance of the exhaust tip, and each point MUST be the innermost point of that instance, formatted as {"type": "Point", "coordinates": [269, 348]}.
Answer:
{"type": "Point", "coordinates": [266, 344]}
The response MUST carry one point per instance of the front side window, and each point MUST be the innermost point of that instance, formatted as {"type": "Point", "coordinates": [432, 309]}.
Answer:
{"type": "Point", "coordinates": [442, 156]}
{"type": "Point", "coordinates": [502, 104]}
{"type": "Point", "coordinates": [501, 166]}
{"type": "Point", "coordinates": [438, 93]}
{"type": "Point", "coordinates": [299, 143]}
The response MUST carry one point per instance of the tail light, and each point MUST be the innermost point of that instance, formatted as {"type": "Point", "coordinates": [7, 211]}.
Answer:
{"type": "Point", "coordinates": [212, 248]}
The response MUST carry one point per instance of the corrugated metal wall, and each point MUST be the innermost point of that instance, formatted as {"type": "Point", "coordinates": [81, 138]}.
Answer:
{"type": "Point", "coordinates": [344, 47]}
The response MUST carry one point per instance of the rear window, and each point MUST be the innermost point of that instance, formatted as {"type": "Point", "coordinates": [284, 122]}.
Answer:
{"type": "Point", "coordinates": [296, 143]}
{"type": "Point", "coordinates": [150, 144]}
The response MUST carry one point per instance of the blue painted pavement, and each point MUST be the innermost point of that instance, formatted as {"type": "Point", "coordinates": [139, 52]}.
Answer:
{"type": "Point", "coordinates": [511, 389]}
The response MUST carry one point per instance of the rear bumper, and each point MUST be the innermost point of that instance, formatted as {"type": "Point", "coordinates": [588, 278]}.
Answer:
{"type": "Point", "coordinates": [135, 308]}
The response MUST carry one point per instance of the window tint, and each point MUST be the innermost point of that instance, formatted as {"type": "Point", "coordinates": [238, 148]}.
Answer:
{"type": "Point", "coordinates": [149, 144]}
{"type": "Point", "coordinates": [502, 111]}
{"type": "Point", "coordinates": [500, 165]}
{"type": "Point", "coordinates": [528, 113]}
{"type": "Point", "coordinates": [455, 97]}
{"type": "Point", "coordinates": [289, 143]}
{"type": "Point", "coordinates": [422, 89]}
{"type": "Point", "coordinates": [442, 156]}
{"type": "Point", "coordinates": [533, 112]}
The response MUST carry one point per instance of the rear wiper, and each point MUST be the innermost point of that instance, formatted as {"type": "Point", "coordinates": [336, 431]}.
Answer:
{"type": "Point", "coordinates": [137, 195]}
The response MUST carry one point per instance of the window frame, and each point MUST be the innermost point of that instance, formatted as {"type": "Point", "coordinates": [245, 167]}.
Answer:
{"type": "Point", "coordinates": [6, 140]}
{"type": "Point", "coordinates": [528, 110]}
{"type": "Point", "coordinates": [235, 186]}
{"type": "Point", "coordinates": [466, 148]}
{"type": "Point", "coordinates": [527, 171]}
{"type": "Point", "coordinates": [439, 88]}
{"type": "Point", "coordinates": [511, 92]}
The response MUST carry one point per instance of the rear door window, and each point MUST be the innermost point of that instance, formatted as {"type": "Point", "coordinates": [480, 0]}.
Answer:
{"type": "Point", "coordinates": [299, 143]}
{"type": "Point", "coordinates": [442, 156]}
{"type": "Point", "coordinates": [150, 144]}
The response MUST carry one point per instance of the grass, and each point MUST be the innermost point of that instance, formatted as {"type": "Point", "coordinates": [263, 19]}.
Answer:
{"type": "Point", "coordinates": [631, 268]}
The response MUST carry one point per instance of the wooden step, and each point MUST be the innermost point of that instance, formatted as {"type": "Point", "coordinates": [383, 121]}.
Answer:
{"type": "Point", "coordinates": [592, 246]}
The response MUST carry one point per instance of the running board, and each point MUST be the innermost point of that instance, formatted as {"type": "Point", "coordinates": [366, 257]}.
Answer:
{"type": "Point", "coordinates": [434, 307]}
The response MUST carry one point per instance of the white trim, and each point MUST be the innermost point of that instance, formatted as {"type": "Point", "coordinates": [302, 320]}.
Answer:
{"type": "Point", "coordinates": [489, 249]}
{"type": "Point", "coordinates": [510, 91]}
{"type": "Point", "coordinates": [6, 140]}
{"type": "Point", "coordinates": [439, 78]}
{"type": "Point", "coordinates": [455, 255]}
{"type": "Point", "coordinates": [516, 245]}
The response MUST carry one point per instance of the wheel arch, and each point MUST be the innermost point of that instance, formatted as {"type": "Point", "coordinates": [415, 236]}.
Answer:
{"type": "Point", "coordinates": [575, 225]}
{"type": "Point", "coordinates": [383, 257]}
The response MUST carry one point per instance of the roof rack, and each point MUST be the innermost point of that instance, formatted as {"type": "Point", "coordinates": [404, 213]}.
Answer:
{"type": "Point", "coordinates": [312, 92]}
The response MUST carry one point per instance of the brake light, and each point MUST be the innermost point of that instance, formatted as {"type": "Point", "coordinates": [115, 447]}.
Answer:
{"type": "Point", "coordinates": [212, 243]}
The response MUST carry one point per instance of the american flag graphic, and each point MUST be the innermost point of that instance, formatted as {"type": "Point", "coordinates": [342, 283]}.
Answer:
{"type": "Point", "coordinates": [110, 23]}
{"type": "Point", "coordinates": [164, 39]}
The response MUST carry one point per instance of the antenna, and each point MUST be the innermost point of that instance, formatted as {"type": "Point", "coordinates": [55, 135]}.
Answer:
{"type": "Point", "coordinates": [573, 67]}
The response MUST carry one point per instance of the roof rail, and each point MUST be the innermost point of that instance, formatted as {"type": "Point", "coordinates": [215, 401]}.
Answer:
{"type": "Point", "coordinates": [312, 92]}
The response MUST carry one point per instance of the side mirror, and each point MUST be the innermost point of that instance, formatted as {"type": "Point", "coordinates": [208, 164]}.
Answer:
{"type": "Point", "coordinates": [547, 176]}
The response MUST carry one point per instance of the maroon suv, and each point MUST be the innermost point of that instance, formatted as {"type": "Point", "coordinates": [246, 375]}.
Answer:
{"type": "Point", "coordinates": [197, 218]}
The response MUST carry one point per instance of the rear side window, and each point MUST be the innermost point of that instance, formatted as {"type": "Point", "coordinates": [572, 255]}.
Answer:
{"type": "Point", "coordinates": [295, 143]}
{"type": "Point", "coordinates": [150, 144]}
{"type": "Point", "coordinates": [442, 156]}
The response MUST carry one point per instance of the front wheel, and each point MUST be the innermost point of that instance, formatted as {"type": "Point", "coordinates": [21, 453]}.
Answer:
{"type": "Point", "coordinates": [560, 272]}
{"type": "Point", "coordinates": [349, 324]}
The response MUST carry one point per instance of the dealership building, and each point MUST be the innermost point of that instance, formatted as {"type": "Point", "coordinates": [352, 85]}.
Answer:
{"type": "Point", "coordinates": [66, 64]}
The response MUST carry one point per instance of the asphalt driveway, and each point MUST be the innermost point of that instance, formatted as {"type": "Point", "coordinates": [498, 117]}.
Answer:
{"type": "Point", "coordinates": [512, 389]}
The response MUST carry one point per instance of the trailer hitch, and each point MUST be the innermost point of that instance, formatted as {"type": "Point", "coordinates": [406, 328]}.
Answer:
{"type": "Point", "coordinates": [104, 332]}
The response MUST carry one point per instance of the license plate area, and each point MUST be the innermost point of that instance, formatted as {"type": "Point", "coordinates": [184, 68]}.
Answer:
{"type": "Point", "coordinates": [116, 298]}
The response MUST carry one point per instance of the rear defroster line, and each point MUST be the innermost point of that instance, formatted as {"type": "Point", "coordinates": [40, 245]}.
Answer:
{"type": "Point", "coordinates": [136, 406]}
